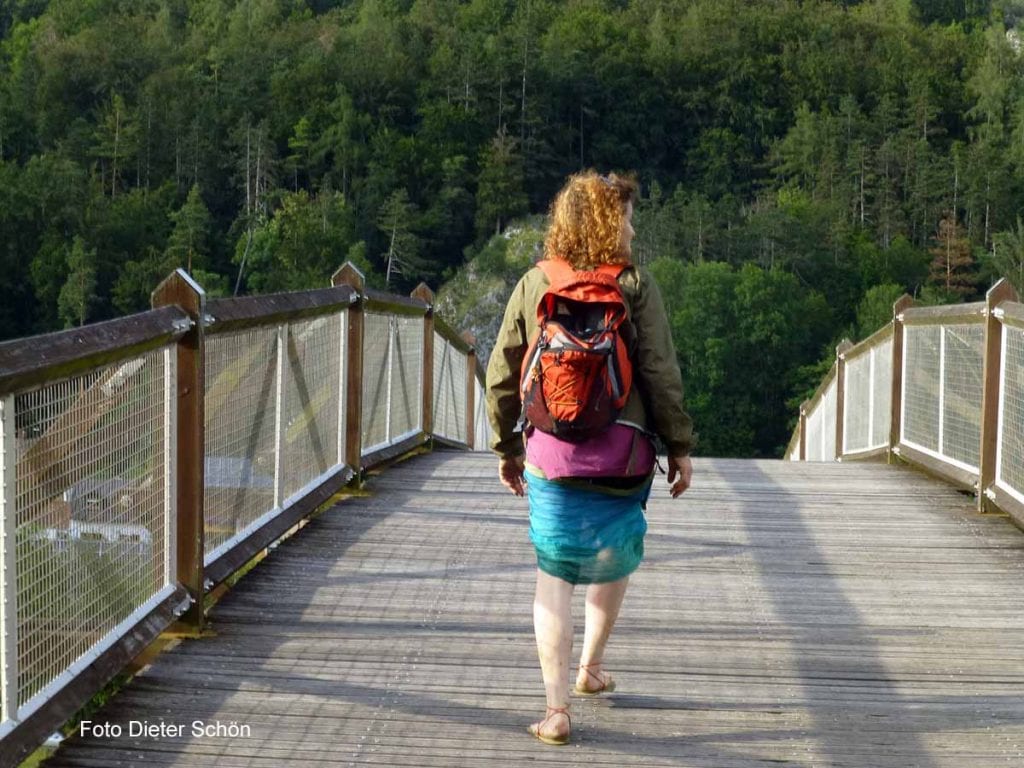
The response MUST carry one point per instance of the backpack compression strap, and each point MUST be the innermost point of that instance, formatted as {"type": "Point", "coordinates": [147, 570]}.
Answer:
{"type": "Point", "coordinates": [562, 272]}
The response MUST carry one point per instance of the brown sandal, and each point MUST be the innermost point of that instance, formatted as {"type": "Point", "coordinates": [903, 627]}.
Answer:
{"type": "Point", "coordinates": [536, 728]}
{"type": "Point", "coordinates": [607, 683]}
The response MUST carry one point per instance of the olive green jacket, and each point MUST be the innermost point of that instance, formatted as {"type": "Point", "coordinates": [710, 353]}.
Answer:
{"type": "Point", "coordinates": [656, 400]}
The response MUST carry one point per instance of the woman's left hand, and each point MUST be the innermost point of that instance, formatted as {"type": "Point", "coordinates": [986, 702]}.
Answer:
{"type": "Point", "coordinates": [510, 472]}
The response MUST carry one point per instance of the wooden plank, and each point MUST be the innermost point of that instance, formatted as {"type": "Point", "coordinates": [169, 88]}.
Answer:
{"type": "Point", "coordinates": [190, 537]}
{"type": "Point", "coordinates": [34, 361]}
{"type": "Point", "coordinates": [232, 314]}
{"type": "Point", "coordinates": [349, 276]}
{"type": "Point", "coordinates": [393, 304]}
{"type": "Point", "coordinates": [840, 426]}
{"type": "Point", "coordinates": [901, 305]}
{"type": "Point", "coordinates": [423, 293]}
{"type": "Point", "coordinates": [1001, 292]}
{"type": "Point", "coordinates": [945, 314]}
{"type": "Point", "coordinates": [786, 613]}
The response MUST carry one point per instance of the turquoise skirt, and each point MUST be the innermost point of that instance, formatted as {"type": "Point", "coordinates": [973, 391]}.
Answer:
{"type": "Point", "coordinates": [586, 536]}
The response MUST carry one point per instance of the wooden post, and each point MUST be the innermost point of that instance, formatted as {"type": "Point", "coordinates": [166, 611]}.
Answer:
{"type": "Point", "coordinates": [998, 293]}
{"type": "Point", "coordinates": [803, 431]}
{"type": "Point", "coordinates": [843, 347]}
{"type": "Point", "coordinates": [896, 399]}
{"type": "Point", "coordinates": [347, 274]}
{"type": "Point", "coordinates": [470, 390]}
{"type": "Point", "coordinates": [179, 289]}
{"type": "Point", "coordinates": [423, 292]}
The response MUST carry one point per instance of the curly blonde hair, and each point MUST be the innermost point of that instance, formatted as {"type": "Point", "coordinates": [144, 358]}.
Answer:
{"type": "Point", "coordinates": [587, 219]}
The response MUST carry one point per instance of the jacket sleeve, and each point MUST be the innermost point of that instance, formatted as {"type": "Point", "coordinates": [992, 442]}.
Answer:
{"type": "Point", "coordinates": [503, 403]}
{"type": "Point", "coordinates": [656, 370]}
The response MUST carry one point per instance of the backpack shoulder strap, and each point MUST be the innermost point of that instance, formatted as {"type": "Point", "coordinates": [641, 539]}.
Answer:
{"type": "Point", "coordinates": [556, 270]}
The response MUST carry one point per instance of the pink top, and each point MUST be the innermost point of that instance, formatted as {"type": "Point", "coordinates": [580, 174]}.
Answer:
{"type": "Point", "coordinates": [621, 451]}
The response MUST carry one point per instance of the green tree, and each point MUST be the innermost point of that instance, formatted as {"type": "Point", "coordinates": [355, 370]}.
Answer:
{"type": "Point", "coordinates": [188, 244]}
{"type": "Point", "coordinates": [116, 143]}
{"type": "Point", "coordinates": [396, 221]}
{"type": "Point", "coordinates": [301, 245]}
{"type": "Point", "coordinates": [79, 291]}
{"type": "Point", "coordinates": [875, 309]}
{"type": "Point", "coordinates": [500, 196]}
{"type": "Point", "coordinates": [1007, 255]}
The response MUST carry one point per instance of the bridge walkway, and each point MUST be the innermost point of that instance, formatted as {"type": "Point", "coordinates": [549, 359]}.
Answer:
{"type": "Point", "coordinates": [786, 614]}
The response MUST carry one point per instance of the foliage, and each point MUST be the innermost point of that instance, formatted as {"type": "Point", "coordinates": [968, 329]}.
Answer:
{"type": "Point", "coordinates": [838, 145]}
{"type": "Point", "coordinates": [79, 291]}
{"type": "Point", "coordinates": [741, 333]}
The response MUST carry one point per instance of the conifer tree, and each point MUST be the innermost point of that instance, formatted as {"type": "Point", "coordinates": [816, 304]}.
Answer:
{"type": "Point", "coordinates": [952, 267]}
{"type": "Point", "coordinates": [187, 245]}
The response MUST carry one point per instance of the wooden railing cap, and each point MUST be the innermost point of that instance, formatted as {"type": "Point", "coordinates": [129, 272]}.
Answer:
{"type": "Point", "coordinates": [349, 274]}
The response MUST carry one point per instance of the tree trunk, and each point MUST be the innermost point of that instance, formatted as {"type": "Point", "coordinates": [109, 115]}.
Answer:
{"type": "Point", "coordinates": [117, 138]}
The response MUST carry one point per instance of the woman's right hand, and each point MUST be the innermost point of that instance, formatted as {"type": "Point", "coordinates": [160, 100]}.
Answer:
{"type": "Point", "coordinates": [510, 472]}
{"type": "Point", "coordinates": [681, 466]}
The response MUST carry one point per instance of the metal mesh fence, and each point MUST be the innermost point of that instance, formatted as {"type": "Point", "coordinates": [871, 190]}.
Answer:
{"type": "Point", "coordinates": [921, 378]}
{"type": "Point", "coordinates": [881, 385]}
{"type": "Point", "coordinates": [828, 424]}
{"type": "Point", "coordinates": [482, 433]}
{"type": "Point", "coordinates": [868, 399]}
{"type": "Point", "coordinates": [406, 377]}
{"type": "Point", "coordinates": [449, 390]}
{"type": "Point", "coordinates": [794, 452]}
{"type": "Point", "coordinates": [813, 446]}
{"type": "Point", "coordinates": [857, 406]}
{"type": "Point", "coordinates": [90, 510]}
{"type": "Point", "coordinates": [1010, 470]}
{"type": "Point", "coordinates": [312, 384]}
{"type": "Point", "coordinates": [376, 341]}
{"type": "Point", "coordinates": [241, 387]}
{"type": "Point", "coordinates": [963, 364]}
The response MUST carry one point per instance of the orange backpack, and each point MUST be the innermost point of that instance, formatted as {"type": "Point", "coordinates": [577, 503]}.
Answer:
{"type": "Point", "coordinates": [576, 374]}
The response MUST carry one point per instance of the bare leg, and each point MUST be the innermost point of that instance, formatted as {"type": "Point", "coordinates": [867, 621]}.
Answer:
{"type": "Point", "coordinates": [603, 604]}
{"type": "Point", "coordinates": [552, 624]}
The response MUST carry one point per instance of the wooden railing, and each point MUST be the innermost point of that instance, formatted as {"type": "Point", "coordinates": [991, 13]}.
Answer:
{"type": "Point", "coordinates": [145, 460]}
{"type": "Point", "coordinates": [939, 387]}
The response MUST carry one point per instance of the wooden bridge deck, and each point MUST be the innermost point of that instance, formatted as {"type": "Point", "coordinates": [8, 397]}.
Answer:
{"type": "Point", "coordinates": [795, 614]}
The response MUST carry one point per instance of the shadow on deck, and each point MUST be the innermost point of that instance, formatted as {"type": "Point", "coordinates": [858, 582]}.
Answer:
{"type": "Point", "coordinates": [787, 613]}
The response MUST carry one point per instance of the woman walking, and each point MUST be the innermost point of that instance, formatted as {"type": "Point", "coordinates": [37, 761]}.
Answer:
{"type": "Point", "coordinates": [586, 492]}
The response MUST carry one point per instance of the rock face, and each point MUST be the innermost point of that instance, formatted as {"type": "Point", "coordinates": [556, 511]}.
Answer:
{"type": "Point", "coordinates": [474, 300]}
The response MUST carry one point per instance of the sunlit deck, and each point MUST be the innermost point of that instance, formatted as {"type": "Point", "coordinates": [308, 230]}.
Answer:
{"type": "Point", "coordinates": [786, 613]}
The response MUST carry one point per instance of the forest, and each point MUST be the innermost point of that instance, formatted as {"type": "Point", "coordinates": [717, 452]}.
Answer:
{"type": "Point", "coordinates": [802, 164]}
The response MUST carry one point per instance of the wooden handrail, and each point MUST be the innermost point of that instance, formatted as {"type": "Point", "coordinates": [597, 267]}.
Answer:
{"type": "Point", "coordinates": [232, 314]}
{"type": "Point", "coordinates": [36, 360]}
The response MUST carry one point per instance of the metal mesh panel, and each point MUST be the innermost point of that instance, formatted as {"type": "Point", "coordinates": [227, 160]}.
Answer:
{"type": "Point", "coordinates": [406, 376]}
{"type": "Point", "coordinates": [828, 424]}
{"type": "Point", "coordinates": [857, 404]}
{"type": "Point", "coordinates": [813, 447]}
{"type": "Point", "coordinates": [881, 385]}
{"type": "Point", "coordinates": [482, 436]}
{"type": "Point", "coordinates": [1010, 472]}
{"type": "Point", "coordinates": [921, 386]}
{"type": "Point", "coordinates": [90, 511]}
{"type": "Point", "coordinates": [376, 333]}
{"type": "Point", "coordinates": [449, 390]}
{"type": "Point", "coordinates": [962, 389]}
{"type": "Point", "coordinates": [241, 387]}
{"type": "Point", "coordinates": [794, 452]}
{"type": "Point", "coordinates": [312, 378]}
